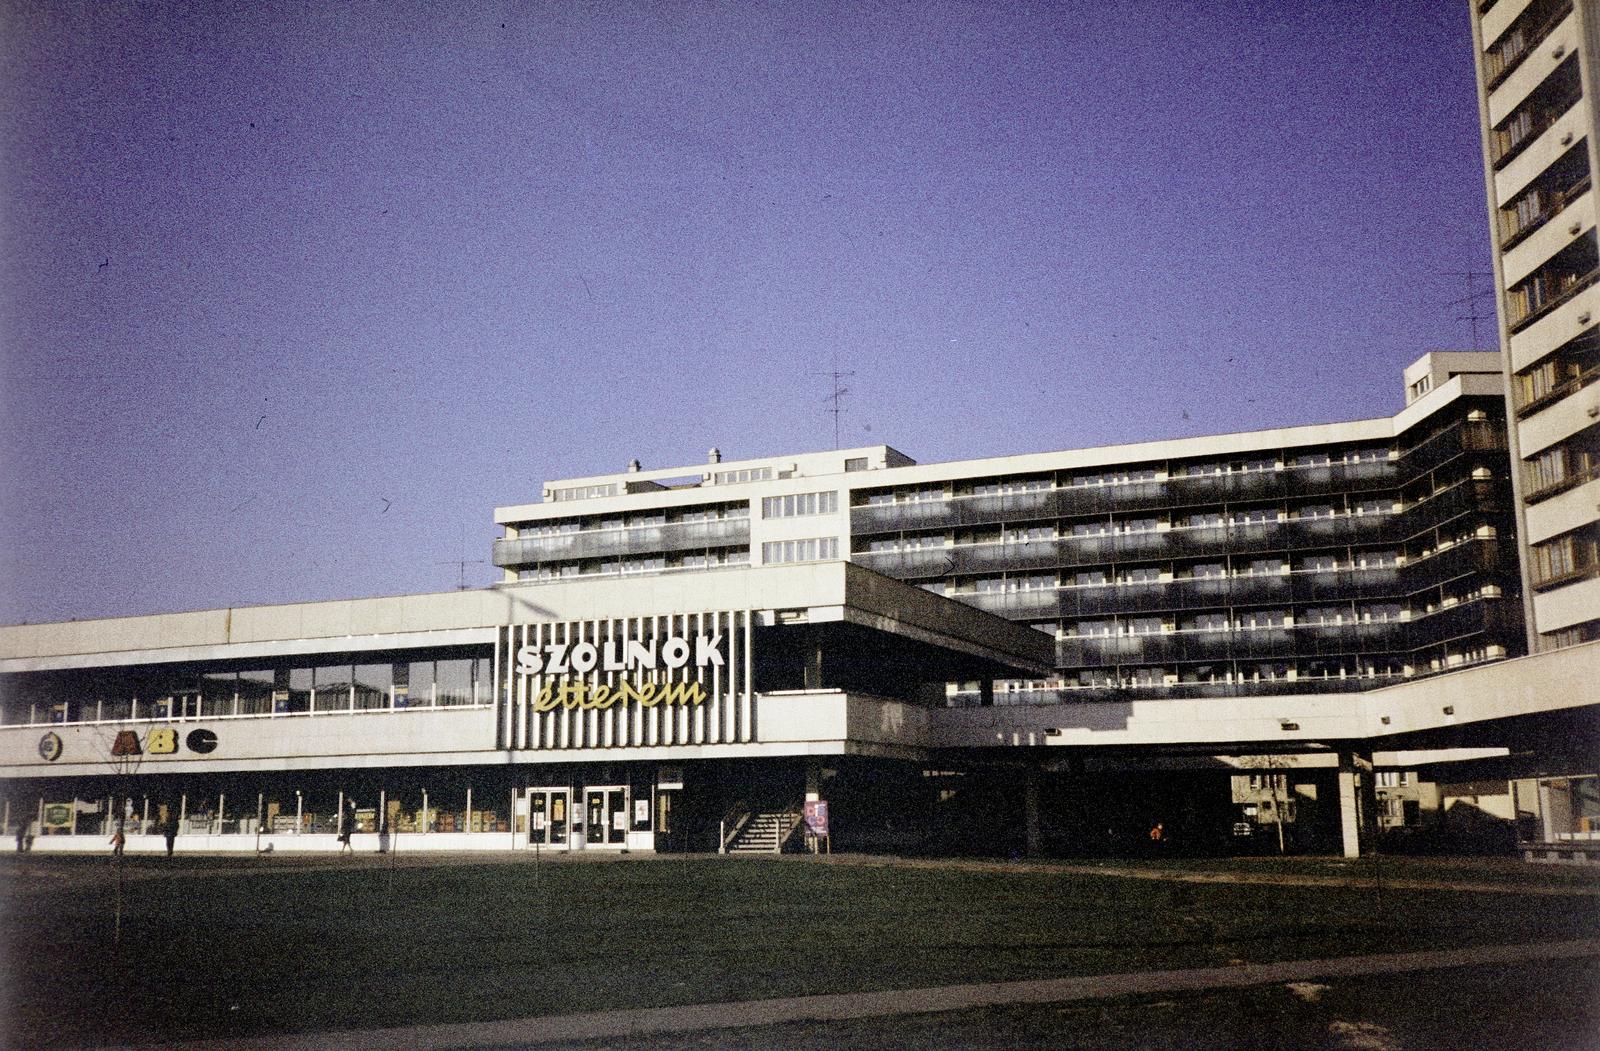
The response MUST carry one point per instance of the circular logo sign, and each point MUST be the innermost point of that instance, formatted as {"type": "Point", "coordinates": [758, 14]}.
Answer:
{"type": "Point", "coordinates": [50, 747]}
{"type": "Point", "coordinates": [201, 741]}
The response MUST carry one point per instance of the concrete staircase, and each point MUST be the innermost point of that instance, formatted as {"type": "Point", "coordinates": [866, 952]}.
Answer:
{"type": "Point", "coordinates": [765, 832]}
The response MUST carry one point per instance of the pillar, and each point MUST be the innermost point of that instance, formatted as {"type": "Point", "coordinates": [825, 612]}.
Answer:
{"type": "Point", "coordinates": [1358, 804]}
{"type": "Point", "coordinates": [813, 780]}
{"type": "Point", "coordinates": [1030, 811]}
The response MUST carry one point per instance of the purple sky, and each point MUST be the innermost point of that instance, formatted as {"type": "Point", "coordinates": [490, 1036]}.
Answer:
{"type": "Point", "coordinates": [270, 267]}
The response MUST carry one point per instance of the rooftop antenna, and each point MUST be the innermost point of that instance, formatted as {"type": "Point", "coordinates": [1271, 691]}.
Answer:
{"type": "Point", "coordinates": [836, 397]}
{"type": "Point", "coordinates": [461, 565]}
{"type": "Point", "coordinates": [1471, 301]}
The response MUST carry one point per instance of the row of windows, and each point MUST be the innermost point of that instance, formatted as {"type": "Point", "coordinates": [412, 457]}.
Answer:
{"type": "Point", "coordinates": [814, 549]}
{"type": "Point", "coordinates": [1567, 271]}
{"type": "Point", "coordinates": [602, 567]}
{"type": "Point", "coordinates": [1572, 366]}
{"type": "Point", "coordinates": [744, 474]}
{"type": "Point", "coordinates": [328, 687]}
{"type": "Point", "coordinates": [1555, 187]}
{"type": "Point", "coordinates": [653, 518]}
{"type": "Point", "coordinates": [1134, 575]}
{"type": "Point", "coordinates": [1234, 674]}
{"type": "Point", "coordinates": [1244, 620]}
{"type": "Point", "coordinates": [799, 504]}
{"type": "Point", "coordinates": [1127, 476]}
{"type": "Point", "coordinates": [1536, 113]}
{"type": "Point", "coordinates": [1521, 37]}
{"type": "Point", "coordinates": [1569, 463]}
{"type": "Point", "coordinates": [585, 492]}
{"type": "Point", "coordinates": [1571, 555]}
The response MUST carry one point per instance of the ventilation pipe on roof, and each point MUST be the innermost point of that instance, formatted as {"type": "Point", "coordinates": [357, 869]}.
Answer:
{"type": "Point", "coordinates": [715, 455]}
{"type": "Point", "coordinates": [634, 467]}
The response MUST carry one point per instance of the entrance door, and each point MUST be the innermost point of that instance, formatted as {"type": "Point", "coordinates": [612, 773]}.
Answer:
{"type": "Point", "coordinates": [549, 815]}
{"type": "Point", "coordinates": [607, 814]}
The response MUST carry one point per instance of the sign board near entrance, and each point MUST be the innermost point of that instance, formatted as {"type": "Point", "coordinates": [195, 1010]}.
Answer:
{"type": "Point", "coordinates": [817, 817]}
{"type": "Point", "coordinates": [648, 681]}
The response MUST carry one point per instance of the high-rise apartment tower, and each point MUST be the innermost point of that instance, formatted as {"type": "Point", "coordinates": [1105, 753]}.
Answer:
{"type": "Point", "coordinates": [1538, 65]}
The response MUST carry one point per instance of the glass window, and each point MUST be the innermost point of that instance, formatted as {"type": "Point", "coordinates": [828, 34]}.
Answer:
{"type": "Point", "coordinates": [216, 693]}
{"type": "Point", "coordinates": [372, 685]}
{"type": "Point", "coordinates": [455, 682]}
{"type": "Point", "coordinates": [809, 550]}
{"type": "Point", "coordinates": [255, 692]}
{"type": "Point", "coordinates": [333, 687]}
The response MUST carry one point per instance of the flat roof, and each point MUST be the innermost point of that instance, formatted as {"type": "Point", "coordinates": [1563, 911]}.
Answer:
{"type": "Point", "coordinates": [816, 592]}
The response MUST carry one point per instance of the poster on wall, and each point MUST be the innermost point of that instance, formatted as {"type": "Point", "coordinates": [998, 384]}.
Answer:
{"type": "Point", "coordinates": [641, 811]}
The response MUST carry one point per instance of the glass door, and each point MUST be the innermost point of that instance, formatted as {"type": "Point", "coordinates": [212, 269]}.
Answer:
{"type": "Point", "coordinates": [607, 816]}
{"type": "Point", "coordinates": [548, 816]}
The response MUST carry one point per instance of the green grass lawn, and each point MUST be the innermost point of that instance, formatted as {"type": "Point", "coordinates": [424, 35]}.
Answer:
{"type": "Point", "coordinates": [235, 946]}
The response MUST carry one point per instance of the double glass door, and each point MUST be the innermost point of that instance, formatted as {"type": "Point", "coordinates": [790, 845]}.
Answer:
{"type": "Point", "coordinates": [607, 815]}
{"type": "Point", "coordinates": [549, 816]}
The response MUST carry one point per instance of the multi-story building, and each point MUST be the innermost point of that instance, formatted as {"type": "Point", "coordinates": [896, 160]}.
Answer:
{"type": "Point", "coordinates": [1081, 645]}
{"type": "Point", "coordinates": [1300, 560]}
{"type": "Point", "coordinates": [1538, 74]}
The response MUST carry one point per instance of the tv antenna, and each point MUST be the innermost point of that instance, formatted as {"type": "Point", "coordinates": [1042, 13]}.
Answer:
{"type": "Point", "coordinates": [836, 398]}
{"type": "Point", "coordinates": [461, 565]}
{"type": "Point", "coordinates": [1472, 301]}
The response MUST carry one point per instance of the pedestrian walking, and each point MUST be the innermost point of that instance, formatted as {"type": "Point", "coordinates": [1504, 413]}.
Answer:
{"type": "Point", "coordinates": [170, 831]}
{"type": "Point", "coordinates": [347, 827]}
{"type": "Point", "coordinates": [119, 839]}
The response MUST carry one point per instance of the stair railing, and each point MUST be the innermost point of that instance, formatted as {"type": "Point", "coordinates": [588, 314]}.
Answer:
{"type": "Point", "coordinates": [793, 817]}
{"type": "Point", "coordinates": [733, 823]}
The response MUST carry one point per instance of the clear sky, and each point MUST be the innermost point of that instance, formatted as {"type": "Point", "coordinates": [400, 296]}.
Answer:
{"type": "Point", "coordinates": [295, 294]}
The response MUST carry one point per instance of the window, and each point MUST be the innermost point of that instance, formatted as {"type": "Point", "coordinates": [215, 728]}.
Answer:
{"type": "Point", "coordinates": [1137, 525]}
{"type": "Point", "coordinates": [1142, 626]}
{"type": "Point", "coordinates": [855, 463]}
{"type": "Point", "coordinates": [745, 474]}
{"type": "Point", "coordinates": [1565, 556]}
{"type": "Point", "coordinates": [1573, 462]}
{"type": "Point", "coordinates": [1101, 528]}
{"type": "Point", "coordinates": [1323, 615]}
{"type": "Point", "coordinates": [1266, 567]}
{"type": "Point", "coordinates": [1090, 578]}
{"type": "Point", "coordinates": [1140, 575]}
{"type": "Point", "coordinates": [1206, 622]}
{"type": "Point", "coordinates": [1024, 535]}
{"type": "Point", "coordinates": [799, 504]}
{"type": "Point", "coordinates": [1263, 618]}
{"type": "Point", "coordinates": [1257, 516]}
{"type": "Point", "coordinates": [584, 492]}
{"type": "Point", "coordinates": [1094, 628]}
{"type": "Point", "coordinates": [811, 550]}
{"type": "Point", "coordinates": [1144, 474]}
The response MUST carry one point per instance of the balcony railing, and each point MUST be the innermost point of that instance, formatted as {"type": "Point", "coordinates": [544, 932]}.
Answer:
{"type": "Point", "coordinates": [636, 540]}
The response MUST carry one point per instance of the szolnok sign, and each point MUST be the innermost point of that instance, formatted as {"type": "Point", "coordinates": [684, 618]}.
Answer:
{"type": "Point", "coordinates": [628, 682]}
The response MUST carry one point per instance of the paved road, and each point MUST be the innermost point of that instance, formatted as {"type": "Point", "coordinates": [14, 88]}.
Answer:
{"type": "Point", "coordinates": [646, 1022]}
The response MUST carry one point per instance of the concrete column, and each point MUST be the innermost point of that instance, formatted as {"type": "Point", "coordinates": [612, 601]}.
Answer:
{"type": "Point", "coordinates": [1358, 804]}
{"type": "Point", "coordinates": [1030, 811]}
{"type": "Point", "coordinates": [813, 780]}
{"type": "Point", "coordinates": [1555, 808]}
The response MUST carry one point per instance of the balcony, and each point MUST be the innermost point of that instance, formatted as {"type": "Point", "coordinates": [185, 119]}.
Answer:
{"type": "Point", "coordinates": [607, 543]}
